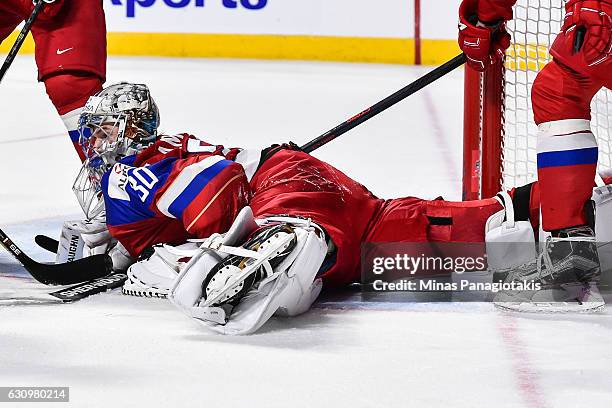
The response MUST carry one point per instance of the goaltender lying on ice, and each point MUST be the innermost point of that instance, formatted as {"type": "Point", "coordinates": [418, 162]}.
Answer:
{"type": "Point", "coordinates": [233, 236]}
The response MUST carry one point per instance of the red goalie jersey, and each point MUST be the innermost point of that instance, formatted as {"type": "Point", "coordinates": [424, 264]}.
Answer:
{"type": "Point", "coordinates": [181, 188]}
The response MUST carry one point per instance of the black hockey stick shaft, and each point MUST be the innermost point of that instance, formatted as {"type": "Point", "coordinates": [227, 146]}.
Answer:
{"type": "Point", "coordinates": [81, 270]}
{"type": "Point", "coordinates": [21, 38]}
{"type": "Point", "coordinates": [385, 104]}
{"type": "Point", "coordinates": [579, 39]}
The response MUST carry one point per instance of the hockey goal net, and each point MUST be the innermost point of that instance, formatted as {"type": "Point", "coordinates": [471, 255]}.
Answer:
{"type": "Point", "coordinates": [499, 131]}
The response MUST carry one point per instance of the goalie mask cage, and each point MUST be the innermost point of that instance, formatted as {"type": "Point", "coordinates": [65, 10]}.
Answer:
{"type": "Point", "coordinates": [499, 132]}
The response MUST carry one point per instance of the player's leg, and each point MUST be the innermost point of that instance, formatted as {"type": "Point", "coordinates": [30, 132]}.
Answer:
{"type": "Point", "coordinates": [561, 99]}
{"type": "Point", "coordinates": [71, 58]}
{"type": "Point", "coordinates": [69, 92]}
{"type": "Point", "coordinates": [297, 183]}
{"type": "Point", "coordinates": [567, 163]}
{"type": "Point", "coordinates": [507, 230]}
{"type": "Point", "coordinates": [568, 267]}
{"type": "Point", "coordinates": [415, 220]}
{"type": "Point", "coordinates": [567, 149]}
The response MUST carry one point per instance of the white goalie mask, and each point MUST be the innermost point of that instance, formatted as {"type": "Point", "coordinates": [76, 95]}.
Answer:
{"type": "Point", "coordinates": [119, 121]}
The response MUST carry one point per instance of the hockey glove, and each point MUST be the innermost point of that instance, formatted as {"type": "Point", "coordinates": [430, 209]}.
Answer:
{"type": "Point", "coordinates": [50, 11]}
{"type": "Point", "coordinates": [80, 239]}
{"type": "Point", "coordinates": [484, 44]}
{"type": "Point", "coordinates": [586, 35]}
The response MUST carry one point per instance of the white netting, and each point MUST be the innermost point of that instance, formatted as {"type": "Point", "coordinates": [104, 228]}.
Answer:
{"type": "Point", "coordinates": [535, 25]}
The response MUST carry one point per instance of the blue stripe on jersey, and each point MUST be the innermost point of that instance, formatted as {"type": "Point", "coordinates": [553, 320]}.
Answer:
{"type": "Point", "coordinates": [119, 211]}
{"type": "Point", "coordinates": [129, 160]}
{"type": "Point", "coordinates": [195, 187]}
{"type": "Point", "coordinates": [567, 157]}
{"type": "Point", "coordinates": [74, 135]}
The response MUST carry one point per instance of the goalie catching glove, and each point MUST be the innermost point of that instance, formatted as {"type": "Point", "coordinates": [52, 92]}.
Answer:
{"type": "Point", "coordinates": [235, 289]}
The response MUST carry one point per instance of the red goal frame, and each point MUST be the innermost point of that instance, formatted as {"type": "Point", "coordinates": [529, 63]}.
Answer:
{"type": "Point", "coordinates": [483, 132]}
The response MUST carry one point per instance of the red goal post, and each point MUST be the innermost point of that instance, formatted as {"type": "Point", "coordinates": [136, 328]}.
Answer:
{"type": "Point", "coordinates": [483, 133]}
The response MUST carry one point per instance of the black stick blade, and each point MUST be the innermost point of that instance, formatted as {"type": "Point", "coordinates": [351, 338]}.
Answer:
{"type": "Point", "coordinates": [83, 290]}
{"type": "Point", "coordinates": [47, 243]}
{"type": "Point", "coordinates": [81, 270]}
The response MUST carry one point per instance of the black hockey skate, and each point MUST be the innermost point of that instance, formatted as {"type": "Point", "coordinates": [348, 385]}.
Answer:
{"type": "Point", "coordinates": [230, 280]}
{"type": "Point", "coordinates": [564, 277]}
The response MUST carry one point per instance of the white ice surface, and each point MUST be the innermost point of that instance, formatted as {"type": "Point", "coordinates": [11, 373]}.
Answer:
{"type": "Point", "coordinates": [116, 351]}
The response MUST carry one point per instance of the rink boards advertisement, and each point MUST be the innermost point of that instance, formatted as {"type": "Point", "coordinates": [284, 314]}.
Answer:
{"type": "Point", "coordinates": [348, 18]}
{"type": "Point", "coordinates": [339, 30]}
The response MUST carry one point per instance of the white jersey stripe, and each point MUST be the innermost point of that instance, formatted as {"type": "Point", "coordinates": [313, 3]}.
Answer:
{"type": "Point", "coordinates": [249, 160]}
{"type": "Point", "coordinates": [564, 135]}
{"type": "Point", "coordinates": [182, 181]}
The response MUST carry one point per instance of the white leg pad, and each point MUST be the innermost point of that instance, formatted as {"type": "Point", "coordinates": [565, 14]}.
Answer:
{"type": "Point", "coordinates": [187, 289]}
{"type": "Point", "coordinates": [290, 290]}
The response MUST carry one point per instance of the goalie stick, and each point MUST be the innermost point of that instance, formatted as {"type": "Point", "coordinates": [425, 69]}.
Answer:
{"type": "Point", "coordinates": [385, 104]}
{"type": "Point", "coordinates": [19, 291]}
{"type": "Point", "coordinates": [82, 270]}
{"type": "Point", "coordinates": [83, 290]}
{"type": "Point", "coordinates": [47, 243]}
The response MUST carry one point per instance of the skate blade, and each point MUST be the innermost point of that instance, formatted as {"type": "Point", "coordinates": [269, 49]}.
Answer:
{"type": "Point", "coordinates": [551, 307]}
{"type": "Point", "coordinates": [570, 298]}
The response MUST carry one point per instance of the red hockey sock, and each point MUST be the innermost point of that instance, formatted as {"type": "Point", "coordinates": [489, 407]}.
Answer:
{"type": "Point", "coordinates": [69, 91]}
